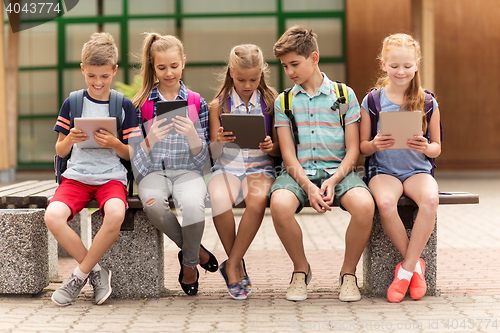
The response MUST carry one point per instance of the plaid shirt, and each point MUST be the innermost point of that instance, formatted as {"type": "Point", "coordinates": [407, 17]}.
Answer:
{"type": "Point", "coordinates": [173, 151]}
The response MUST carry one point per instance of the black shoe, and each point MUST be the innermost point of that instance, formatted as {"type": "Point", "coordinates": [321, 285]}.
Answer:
{"type": "Point", "coordinates": [190, 289]}
{"type": "Point", "coordinates": [212, 265]}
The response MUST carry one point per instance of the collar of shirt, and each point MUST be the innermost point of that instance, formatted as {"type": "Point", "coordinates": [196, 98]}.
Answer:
{"type": "Point", "coordinates": [237, 101]}
{"type": "Point", "coordinates": [155, 93]}
{"type": "Point", "coordinates": [325, 88]}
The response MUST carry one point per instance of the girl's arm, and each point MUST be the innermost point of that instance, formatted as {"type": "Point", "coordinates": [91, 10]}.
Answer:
{"type": "Point", "coordinates": [380, 142]}
{"type": "Point", "coordinates": [271, 144]}
{"type": "Point", "coordinates": [422, 145]}
{"type": "Point", "coordinates": [217, 135]}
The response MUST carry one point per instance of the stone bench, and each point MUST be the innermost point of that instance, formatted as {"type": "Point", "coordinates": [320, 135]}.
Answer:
{"type": "Point", "coordinates": [137, 258]}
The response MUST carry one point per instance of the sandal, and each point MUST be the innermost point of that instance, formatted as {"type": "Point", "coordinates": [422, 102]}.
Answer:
{"type": "Point", "coordinates": [212, 264]}
{"type": "Point", "coordinates": [190, 289]}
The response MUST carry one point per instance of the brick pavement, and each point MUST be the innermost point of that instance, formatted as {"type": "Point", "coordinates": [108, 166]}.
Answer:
{"type": "Point", "coordinates": [467, 277]}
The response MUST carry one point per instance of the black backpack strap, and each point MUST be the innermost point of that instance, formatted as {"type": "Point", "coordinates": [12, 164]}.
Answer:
{"type": "Point", "coordinates": [288, 112]}
{"type": "Point", "coordinates": [115, 110]}
{"type": "Point", "coordinates": [374, 109]}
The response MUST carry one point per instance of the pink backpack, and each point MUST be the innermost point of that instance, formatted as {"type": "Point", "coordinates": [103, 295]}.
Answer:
{"type": "Point", "coordinates": [193, 101]}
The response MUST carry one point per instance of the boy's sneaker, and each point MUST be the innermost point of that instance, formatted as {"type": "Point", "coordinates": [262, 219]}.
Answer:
{"type": "Point", "coordinates": [349, 291]}
{"type": "Point", "coordinates": [101, 282]}
{"type": "Point", "coordinates": [297, 290]}
{"type": "Point", "coordinates": [66, 294]}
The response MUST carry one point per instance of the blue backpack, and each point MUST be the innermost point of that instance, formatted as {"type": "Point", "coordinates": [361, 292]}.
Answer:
{"type": "Point", "coordinates": [374, 109]}
{"type": "Point", "coordinates": [75, 111]}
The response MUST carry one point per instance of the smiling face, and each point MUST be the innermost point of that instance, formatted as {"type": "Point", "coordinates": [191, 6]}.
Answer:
{"type": "Point", "coordinates": [245, 81]}
{"type": "Point", "coordinates": [400, 64]}
{"type": "Point", "coordinates": [98, 80]}
{"type": "Point", "coordinates": [168, 66]}
{"type": "Point", "coordinates": [299, 68]}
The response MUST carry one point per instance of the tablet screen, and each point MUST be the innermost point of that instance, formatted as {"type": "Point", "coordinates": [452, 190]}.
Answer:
{"type": "Point", "coordinates": [249, 129]}
{"type": "Point", "coordinates": [169, 109]}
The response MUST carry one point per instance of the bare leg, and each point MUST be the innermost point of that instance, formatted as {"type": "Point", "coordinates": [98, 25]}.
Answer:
{"type": "Point", "coordinates": [283, 206]}
{"type": "Point", "coordinates": [359, 203]}
{"type": "Point", "coordinates": [255, 190]}
{"type": "Point", "coordinates": [423, 189]}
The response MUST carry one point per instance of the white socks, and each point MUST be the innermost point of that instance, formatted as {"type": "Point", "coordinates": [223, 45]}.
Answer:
{"type": "Point", "coordinates": [81, 275]}
{"type": "Point", "coordinates": [404, 274]}
{"type": "Point", "coordinates": [418, 269]}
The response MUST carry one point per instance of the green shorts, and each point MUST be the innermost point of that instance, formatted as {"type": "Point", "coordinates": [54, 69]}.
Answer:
{"type": "Point", "coordinates": [285, 181]}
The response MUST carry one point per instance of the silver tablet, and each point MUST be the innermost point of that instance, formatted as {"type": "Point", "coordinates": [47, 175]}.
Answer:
{"type": "Point", "coordinates": [91, 125]}
{"type": "Point", "coordinates": [401, 125]}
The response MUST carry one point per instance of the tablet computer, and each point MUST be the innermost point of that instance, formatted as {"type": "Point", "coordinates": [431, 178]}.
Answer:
{"type": "Point", "coordinates": [169, 109]}
{"type": "Point", "coordinates": [249, 129]}
{"type": "Point", "coordinates": [91, 125]}
{"type": "Point", "coordinates": [401, 125]}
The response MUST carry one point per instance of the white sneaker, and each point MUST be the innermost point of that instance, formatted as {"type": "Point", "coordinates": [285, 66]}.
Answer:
{"type": "Point", "coordinates": [349, 291]}
{"type": "Point", "coordinates": [297, 290]}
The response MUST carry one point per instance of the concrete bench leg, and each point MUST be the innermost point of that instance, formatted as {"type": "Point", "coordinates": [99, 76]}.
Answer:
{"type": "Point", "coordinates": [24, 253]}
{"type": "Point", "coordinates": [380, 257]}
{"type": "Point", "coordinates": [136, 259]}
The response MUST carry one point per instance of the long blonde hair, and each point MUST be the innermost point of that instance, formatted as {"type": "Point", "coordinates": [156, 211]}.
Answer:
{"type": "Point", "coordinates": [246, 56]}
{"type": "Point", "coordinates": [153, 43]}
{"type": "Point", "coordinates": [414, 96]}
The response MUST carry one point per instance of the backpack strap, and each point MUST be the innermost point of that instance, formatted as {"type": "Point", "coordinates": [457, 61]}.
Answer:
{"type": "Point", "coordinates": [374, 109]}
{"type": "Point", "coordinates": [286, 106]}
{"type": "Point", "coordinates": [194, 102]}
{"type": "Point", "coordinates": [115, 110]}
{"type": "Point", "coordinates": [342, 102]}
{"type": "Point", "coordinates": [75, 105]}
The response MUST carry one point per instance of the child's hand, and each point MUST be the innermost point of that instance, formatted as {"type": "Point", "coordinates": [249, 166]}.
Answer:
{"type": "Point", "coordinates": [75, 135]}
{"type": "Point", "coordinates": [158, 132]}
{"type": "Point", "coordinates": [317, 200]}
{"type": "Point", "coordinates": [383, 142]}
{"type": "Point", "coordinates": [267, 145]}
{"type": "Point", "coordinates": [105, 139]}
{"type": "Point", "coordinates": [328, 190]}
{"type": "Point", "coordinates": [418, 144]}
{"type": "Point", "coordinates": [184, 126]}
{"type": "Point", "coordinates": [224, 136]}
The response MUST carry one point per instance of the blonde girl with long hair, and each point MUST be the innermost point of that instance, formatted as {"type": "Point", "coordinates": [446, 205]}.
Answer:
{"type": "Point", "coordinates": [250, 171]}
{"type": "Point", "coordinates": [403, 171]}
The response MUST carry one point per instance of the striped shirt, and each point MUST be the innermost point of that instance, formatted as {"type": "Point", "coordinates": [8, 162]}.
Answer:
{"type": "Point", "coordinates": [244, 161]}
{"type": "Point", "coordinates": [173, 151]}
{"type": "Point", "coordinates": [321, 136]}
{"type": "Point", "coordinates": [97, 166]}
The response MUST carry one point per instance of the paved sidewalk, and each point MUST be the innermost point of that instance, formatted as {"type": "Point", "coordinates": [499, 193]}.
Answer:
{"type": "Point", "coordinates": [468, 269]}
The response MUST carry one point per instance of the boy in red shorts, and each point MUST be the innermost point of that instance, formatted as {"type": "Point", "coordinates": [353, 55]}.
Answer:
{"type": "Point", "coordinates": [92, 173]}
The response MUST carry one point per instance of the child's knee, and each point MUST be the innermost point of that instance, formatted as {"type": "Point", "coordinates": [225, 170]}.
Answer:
{"type": "Point", "coordinates": [281, 204]}
{"type": "Point", "coordinates": [56, 215]}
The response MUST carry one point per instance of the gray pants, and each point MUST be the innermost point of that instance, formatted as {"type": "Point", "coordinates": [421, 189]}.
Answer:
{"type": "Point", "coordinates": [188, 190]}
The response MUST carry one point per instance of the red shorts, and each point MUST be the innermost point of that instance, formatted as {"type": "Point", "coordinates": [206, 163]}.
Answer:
{"type": "Point", "coordinates": [77, 195]}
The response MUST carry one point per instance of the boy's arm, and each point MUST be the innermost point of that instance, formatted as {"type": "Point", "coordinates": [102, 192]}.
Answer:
{"type": "Point", "coordinates": [352, 153]}
{"type": "Point", "coordinates": [297, 172]}
{"type": "Point", "coordinates": [65, 142]}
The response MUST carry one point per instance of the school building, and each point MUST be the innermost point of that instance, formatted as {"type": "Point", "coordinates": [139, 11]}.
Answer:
{"type": "Point", "coordinates": [460, 41]}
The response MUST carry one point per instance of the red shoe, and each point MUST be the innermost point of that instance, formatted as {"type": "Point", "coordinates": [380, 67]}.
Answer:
{"type": "Point", "coordinates": [418, 287]}
{"type": "Point", "coordinates": [397, 289]}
